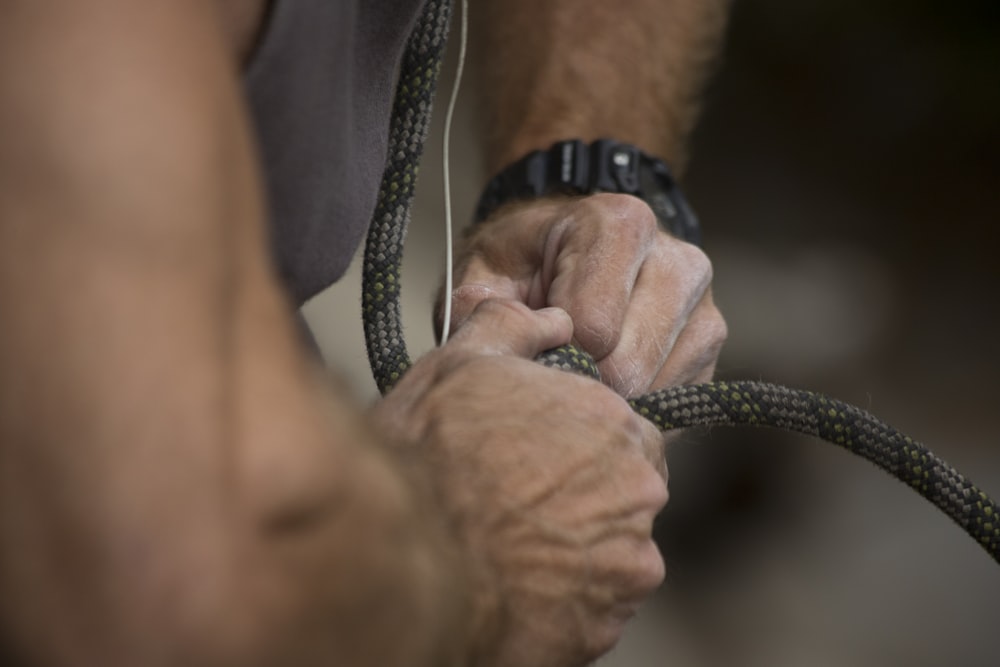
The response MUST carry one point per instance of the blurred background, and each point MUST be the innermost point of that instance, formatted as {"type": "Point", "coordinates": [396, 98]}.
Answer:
{"type": "Point", "coordinates": [847, 175]}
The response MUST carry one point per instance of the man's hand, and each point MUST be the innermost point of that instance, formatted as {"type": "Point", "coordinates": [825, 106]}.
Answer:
{"type": "Point", "coordinates": [640, 299]}
{"type": "Point", "coordinates": [551, 480]}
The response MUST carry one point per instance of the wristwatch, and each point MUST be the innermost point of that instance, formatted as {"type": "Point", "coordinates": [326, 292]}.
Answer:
{"type": "Point", "coordinates": [573, 167]}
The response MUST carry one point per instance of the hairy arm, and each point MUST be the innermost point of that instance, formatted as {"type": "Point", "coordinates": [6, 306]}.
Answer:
{"type": "Point", "coordinates": [640, 300]}
{"type": "Point", "coordinates": [177, 485]}
{"type": "Point", "coordinates": [568, 69]}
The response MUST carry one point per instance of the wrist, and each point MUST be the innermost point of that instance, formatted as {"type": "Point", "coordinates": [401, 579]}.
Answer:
{"type": "Point", "coordinates": [604, 166]}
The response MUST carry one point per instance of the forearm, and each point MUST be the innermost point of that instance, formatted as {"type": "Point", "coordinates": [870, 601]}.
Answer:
{"type": "Point", "coordinates": [177, 487]}
{"type": "Point", "coordinates": [568, 69]}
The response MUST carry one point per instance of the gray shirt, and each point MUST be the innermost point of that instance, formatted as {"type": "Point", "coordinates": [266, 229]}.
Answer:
{"type": "Point", "coordinates": [320, 90]}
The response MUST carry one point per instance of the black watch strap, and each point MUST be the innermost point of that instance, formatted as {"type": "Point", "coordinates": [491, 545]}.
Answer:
{"type": "Point", "coordinates": [575, 168]}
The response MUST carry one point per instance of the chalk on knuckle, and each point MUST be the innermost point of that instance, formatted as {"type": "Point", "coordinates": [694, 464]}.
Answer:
{"type": "Point", "coordinates": [697, 262]}
{"type": "Point", "coordinates": [717, 329]}
{"type": "Point", "coordinates": [622, 214]}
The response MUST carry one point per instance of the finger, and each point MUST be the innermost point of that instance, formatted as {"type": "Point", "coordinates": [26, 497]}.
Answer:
{"type": "Point", "coordinates": [602, 247]}
{"type": "Point", "coordinates": [508, 327]}
{"type": "Point", "coordinates": [671, 285]}
{"type": "Point", "coordinates": [647, 440]}
{"type": "Point", "coordinates": [477, 284]}
{"type": "Point", "coordinates": [695, 352]}
{"type": "Point", "coordinates": [503, 257]}
{"type": "Point", "coordinates": [654, 448]}
{"type": "Point", "coordinates": [625, 572]}
{"type": "Point", "coordinates": [631, 566]}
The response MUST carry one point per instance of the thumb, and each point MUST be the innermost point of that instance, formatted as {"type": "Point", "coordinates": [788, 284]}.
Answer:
{"type": "Point", "coordinates": [508, 327]}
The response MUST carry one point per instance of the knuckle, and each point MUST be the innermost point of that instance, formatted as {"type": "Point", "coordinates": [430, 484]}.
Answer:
{"type": "Point", "coordinates": [598, 332]}
{"type": "Point", "coordinates": [687, 267]}
{"type": "Point", "coordinates": [710, 328]}
{"type": "Point", "coordinates": [646, 441]}
{"type": "Point", "coordinates": [610, 415]}
{"type": "Point", "coordinates": [696, 262]}
{"type": "Point", "coordinates": [686, 256]}
{"type": "Point", "coordinates": [622, 205]}
{"type": "Point", "coordinates": [495, 325]}
{"type": "Point", "coordinates": [465, 298]}
{"type": "Point", "coordinates": [650, 570]}
{"type": "Point", "coordinates": [504, 310]}
{"type": "Point", "coordinates": [717, 330]}
{"type": "Point", "coordinates": [619, 415]}
{"type": "Point", "coordinates": [637, 427]}
{"type": "Point", "coordinates": [623, 214]}
{"type": "Point", "coordinates": [649, 492]}
{"type": "Point", "coordinates": [639, 216]}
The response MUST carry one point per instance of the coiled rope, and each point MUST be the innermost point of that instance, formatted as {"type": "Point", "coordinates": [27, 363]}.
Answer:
{"type": "Point", "coordinates": [711, 404]}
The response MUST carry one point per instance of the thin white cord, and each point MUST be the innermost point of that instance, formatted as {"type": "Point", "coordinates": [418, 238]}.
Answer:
{"type": "Point", "coordinates": [449, 259]}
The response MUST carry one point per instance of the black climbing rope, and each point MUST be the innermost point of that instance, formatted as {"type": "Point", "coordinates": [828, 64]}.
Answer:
{"type": "Point", "coordinates": [409, 125]}
{"type": "Point", "coordinates": [715, 403]}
